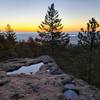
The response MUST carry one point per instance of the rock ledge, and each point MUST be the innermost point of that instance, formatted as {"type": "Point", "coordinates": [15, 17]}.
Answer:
{"type": "Point", "coordinates": [48, 83]}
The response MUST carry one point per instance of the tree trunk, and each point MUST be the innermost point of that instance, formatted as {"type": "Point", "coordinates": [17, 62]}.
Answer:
{"type": "Point", "coordinates": [90, 69]}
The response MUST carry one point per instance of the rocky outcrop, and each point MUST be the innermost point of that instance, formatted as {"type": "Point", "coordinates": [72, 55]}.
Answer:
{"type": "Point", "coordinates": [16, 63]}
{"type": "Point", "coordinates": [49, 83]}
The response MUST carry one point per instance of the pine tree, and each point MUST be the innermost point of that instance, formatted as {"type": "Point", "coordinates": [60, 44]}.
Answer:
{"type": "Point", "coordinates": [10, 35]}
{"type": "Point", "coordinates": [2, 40]}
{"type": "Point", "coordinates": [90, 38]}
{"type": "Point", "coordinates": [50, 30]}
{"type": "Point", "coordinates": [10, 41]}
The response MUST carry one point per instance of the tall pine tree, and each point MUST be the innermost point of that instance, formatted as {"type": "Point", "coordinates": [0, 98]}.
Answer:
{"type": "Point", "coordinates": [90, 38]}
{"type": "Point", "coordinates": [50, 30]}
{"type": "Point", "coordinates": [10, 35]}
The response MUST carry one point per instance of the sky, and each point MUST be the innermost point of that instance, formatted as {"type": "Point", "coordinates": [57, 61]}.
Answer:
{"type": "Point", "coordinates": [26, 15]}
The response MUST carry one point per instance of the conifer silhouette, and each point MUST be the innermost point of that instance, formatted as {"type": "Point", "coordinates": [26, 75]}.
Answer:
{"type": "Point", "coordinates": [50, 30]}
{"type": "Point", "coordinates": [90, 38]}
{"type": "Point", "coordinates": [10, 35]}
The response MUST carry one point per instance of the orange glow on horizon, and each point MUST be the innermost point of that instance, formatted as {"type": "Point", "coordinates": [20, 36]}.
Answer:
{"type": "Point", "coordinates": [32, 26]}
{"type": "Point", "coordinates": [35, 29]}
{"type": "Point", "coordinates": [27, 27]}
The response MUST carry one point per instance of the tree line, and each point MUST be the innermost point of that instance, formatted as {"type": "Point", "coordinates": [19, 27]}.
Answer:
{"type": "Point", "coordinates": [52, 40]}
{"type": "Point", "coordinates": [50, 32]}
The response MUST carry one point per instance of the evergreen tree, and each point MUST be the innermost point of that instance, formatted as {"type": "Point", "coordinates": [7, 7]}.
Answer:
{"type": "Point", "coordinates": [10, 35]}
{"type": "Point", "coordinates": [10, 41]}
{"type": "Point", "coordinates": [50, 30]}
{"type": "Point", "coordinates": [2, 40]}
{"type": "Point", "coordinates": [90, 38]}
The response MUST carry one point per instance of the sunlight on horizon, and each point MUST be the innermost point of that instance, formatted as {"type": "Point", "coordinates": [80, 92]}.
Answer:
{"type": "Point", "coordinates": [27, 16]}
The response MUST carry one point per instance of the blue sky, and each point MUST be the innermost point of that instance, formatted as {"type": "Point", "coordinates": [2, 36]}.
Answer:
{"type": "Point", "coordinates": [22, 14]}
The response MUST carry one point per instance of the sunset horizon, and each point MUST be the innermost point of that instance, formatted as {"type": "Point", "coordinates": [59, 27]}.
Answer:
{"type": "Point", "coordinates": [30, 28]}
{"type": "Point", "coordinates": [49, 49]}
{"type": "Point", "coordinates": [35, 29]}
{"type": "Point", "coordinates": [26, 16]}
